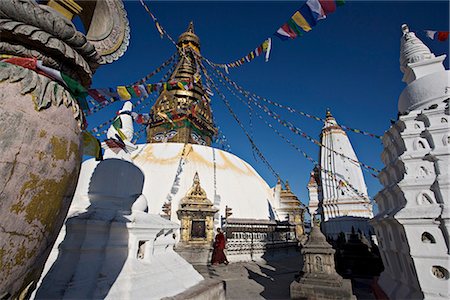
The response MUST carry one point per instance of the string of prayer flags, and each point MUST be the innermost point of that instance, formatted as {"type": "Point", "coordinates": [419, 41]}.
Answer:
{"type": "Point", "coordinates": [441, 36]}
{"type": "Point", "coordinates": [264, 47]}
{"type": "Point", "coordinates": [306, 17]}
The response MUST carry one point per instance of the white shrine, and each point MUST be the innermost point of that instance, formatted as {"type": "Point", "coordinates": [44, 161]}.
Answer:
{"type": "Point", "coordinates": [413, 224]}
{"type": "Point", "coordinates": [338, 192]}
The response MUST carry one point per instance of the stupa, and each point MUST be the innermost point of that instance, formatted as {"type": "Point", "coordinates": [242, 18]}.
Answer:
{"type": "Point", "coordinates": [337, 191]}
{"type": "Point", "coordinates": [176, 180]}
{"type": "Point", "coordinates": [412, 225]}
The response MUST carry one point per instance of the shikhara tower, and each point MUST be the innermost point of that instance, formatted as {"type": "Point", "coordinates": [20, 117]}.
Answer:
{"type": "Point", "coordinates": [413, 222]}
{"type": "Point", "coordinates": [182, 113]}
{"type": "Point", "coordinates": [338, 191]}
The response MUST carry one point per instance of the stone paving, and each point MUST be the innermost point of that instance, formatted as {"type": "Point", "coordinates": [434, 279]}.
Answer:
{"type": "Point", "coordinates": [268, 279]}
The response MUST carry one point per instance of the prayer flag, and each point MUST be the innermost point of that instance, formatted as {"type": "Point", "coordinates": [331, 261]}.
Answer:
{"type": "Point", "coordinates": [91, 146]}
{"type": "Point", "coordinates": [159, 28]}
{"type": "Point", "coordinates": [301, 22]}
{"type": "Point", "coordinates": [131, 91]}
{"type": "Point", "coordinates": [294, 27]}
{"type": "Point", "coordinates": [285, 32]}
{"type": "Point", "coordinates": [109, 93]}
{"type": "Point", "coordinates": [49, 71]}
{"type": "Point", "coordinates": [442, 36]}
{"type": "Point", "coordinates": [340, 2]}
{"type": "Point", "coordinates": [77, 90]}
{"type": "Point", "coordinates": [149, 88]}
{"type": "Point", "coordinates": [329, 6]}
{"type": "Point", "coordinates": [439, 35]}
{"type": "Point", "coordinates": [306, 12]}
{"type": "Point", "coordinates": [143, 91]}
{"type": "Point", "coordinates": [97, 96]}
{"type": "Point", "coordinates": [123, 93]}
{"type": "Point", "coordinates": [316, 9]}
{"type": "Point", "coordinates": [136, 90]}
{"type": "Point", "coordinates": [267, 46]}
{"type": "Point", "coordinates": [430, 33]}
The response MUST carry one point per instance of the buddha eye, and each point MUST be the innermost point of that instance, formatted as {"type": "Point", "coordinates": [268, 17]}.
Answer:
{"type": "Point", "coordinates": [171, 134]}
{"type": "Point", "coordinates": [158, 137]}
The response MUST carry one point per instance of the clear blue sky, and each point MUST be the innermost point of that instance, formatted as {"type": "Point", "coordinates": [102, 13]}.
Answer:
{"type": "Point", "coordinates": [348, 63]}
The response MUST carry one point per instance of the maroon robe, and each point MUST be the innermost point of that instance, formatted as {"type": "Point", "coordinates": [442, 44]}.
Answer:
{"type": "Point", "coordinates": [218, 256]}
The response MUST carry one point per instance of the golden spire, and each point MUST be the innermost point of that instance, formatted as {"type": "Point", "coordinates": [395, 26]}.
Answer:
{"type": "Point", "coordinates": [182, 112]}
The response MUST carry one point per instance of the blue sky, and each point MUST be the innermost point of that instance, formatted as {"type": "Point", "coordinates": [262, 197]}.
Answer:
{"type": "Point", "coordinates": [348, 63]}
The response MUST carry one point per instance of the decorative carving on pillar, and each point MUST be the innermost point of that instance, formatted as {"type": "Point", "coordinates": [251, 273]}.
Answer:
{"type": "Point", "coordinates": [196, 213]}
{"type": "Point", "coordinates": [41, 122]}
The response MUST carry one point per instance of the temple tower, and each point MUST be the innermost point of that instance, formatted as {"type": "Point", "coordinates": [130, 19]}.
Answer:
{"type": "Point", "coordinates": [182, 112]}
{"type": "Point", "coordinates": [338, 190]}
{"type": "Point", "coordinates": [412, 225]}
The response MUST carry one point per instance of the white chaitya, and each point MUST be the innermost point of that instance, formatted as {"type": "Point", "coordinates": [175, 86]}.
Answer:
{"type": "Point", "coordinates": [338, 191]}
{"type": "Point", "coordinates": [111, 246]}
{"type": "Point", "coordinates": [412, 225]}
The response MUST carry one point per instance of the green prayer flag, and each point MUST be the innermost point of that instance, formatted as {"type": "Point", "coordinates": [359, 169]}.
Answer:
{"type": "Point", "coordinates": [132, 91]}
{"type": "Point", "coordinates": [340, 2]}
{"type": "Point", "coordinates": [294, 27]}
{"type": "Point", "coordinates": [76, 90]}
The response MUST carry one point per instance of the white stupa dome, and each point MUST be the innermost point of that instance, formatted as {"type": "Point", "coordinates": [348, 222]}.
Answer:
{"type": "Point", "coordinates": [227, 179]}
{"type": "Point", "coordinates": [169, 169]}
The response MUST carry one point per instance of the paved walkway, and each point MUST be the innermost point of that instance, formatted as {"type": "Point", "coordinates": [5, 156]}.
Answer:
{"type": "Point", "coordinates": [267, 280]}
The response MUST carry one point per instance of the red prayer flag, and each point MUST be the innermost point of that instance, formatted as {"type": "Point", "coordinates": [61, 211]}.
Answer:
{"type": "Point", "coordinates": [96, 95]}
{"type": "Point", "coordinates": [288, 29]}
{"type": "Point", "coordinates": [137, 90]}
{"type": "Point", "coordinates": [328, 6]}
{"type": "Point", "coordinates": [442, 36]}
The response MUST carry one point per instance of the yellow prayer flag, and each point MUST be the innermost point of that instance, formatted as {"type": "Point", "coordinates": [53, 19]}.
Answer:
{"type": "Point", "coordinates": [300, 21]}
{"type": "Point", "coordinates": [91, 145]}
{"type": "Point", "coordinates": [123, 93]}
{"type": "Point", "coordinates": [180, 85]}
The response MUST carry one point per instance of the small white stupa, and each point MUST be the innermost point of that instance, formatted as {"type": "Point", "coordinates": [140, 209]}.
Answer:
{"type": "Point", "coordinates": [413, 222]}
{"type": "Point", "coordinates": [338, 191]}
{"type": "Point", "coordinates": [110, 246]}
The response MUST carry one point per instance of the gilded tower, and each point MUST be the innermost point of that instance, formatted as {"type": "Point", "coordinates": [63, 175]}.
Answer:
{"type": "Point", "coordinates": [182, 112]}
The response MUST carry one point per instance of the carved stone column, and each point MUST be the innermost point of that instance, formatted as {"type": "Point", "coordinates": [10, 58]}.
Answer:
{"type": "Point", "coordinates": [40, 126]}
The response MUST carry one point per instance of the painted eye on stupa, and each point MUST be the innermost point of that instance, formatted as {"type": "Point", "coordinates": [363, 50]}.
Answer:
{"type": "Point", "coordinates": [159, 136]}
{"type": "Point", "coordinates": [171, 134]}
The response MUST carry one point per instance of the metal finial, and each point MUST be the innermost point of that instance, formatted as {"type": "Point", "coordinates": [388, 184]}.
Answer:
{"type": "Point", "coordinates": [190, 27]}
{"type": "Point", "coordinates": [405, 29]}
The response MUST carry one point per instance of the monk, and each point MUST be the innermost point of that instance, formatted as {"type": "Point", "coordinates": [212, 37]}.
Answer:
{"type": "Point", "coordinates": [218, 256]}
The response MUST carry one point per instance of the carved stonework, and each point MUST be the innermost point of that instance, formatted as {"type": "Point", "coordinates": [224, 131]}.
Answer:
{"type": "Point", "coordinates": [196, 213]}
{"type": "Point", "coordinates": [40, 124]}
{"type": "Point", "coordinates": [318, 278]}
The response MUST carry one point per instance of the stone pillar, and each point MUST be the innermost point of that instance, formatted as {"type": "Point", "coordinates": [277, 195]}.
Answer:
{"type": "Point", "coordinates": [318, 278]}
{"type": "Point", "coordinates": [41, 122]}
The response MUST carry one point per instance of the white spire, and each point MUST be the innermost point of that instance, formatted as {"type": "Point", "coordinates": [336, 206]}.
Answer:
{"type": "Point", "coordinates": [423, 72]}
{"type": "Point", "coordinates": [344, 191]}
{"type": "Point", "coordinates": [412, 49]}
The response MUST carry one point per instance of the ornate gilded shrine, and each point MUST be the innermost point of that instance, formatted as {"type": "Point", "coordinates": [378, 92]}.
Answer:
{"type": "Point", "coordinates": [182, 112]}
{"type": "Point", "coordinates": [291, 206]}
{"type": "Point", "coordinates": [196, 214]}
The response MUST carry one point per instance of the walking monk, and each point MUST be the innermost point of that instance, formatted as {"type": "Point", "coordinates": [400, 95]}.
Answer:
{"type": "Point", "coordinates": [218, 256]}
